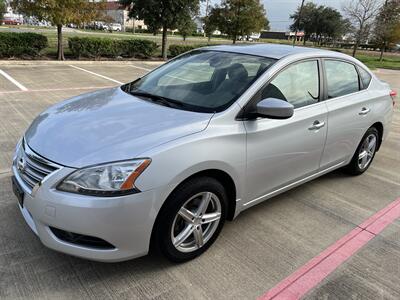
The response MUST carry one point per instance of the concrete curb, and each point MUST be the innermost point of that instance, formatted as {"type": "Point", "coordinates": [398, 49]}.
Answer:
{"type": "Point", "coordinates": [77, 62]}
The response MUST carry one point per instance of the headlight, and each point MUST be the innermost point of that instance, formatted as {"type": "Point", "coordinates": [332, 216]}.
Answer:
{"type": "Point", "coordinates": [111, 179]}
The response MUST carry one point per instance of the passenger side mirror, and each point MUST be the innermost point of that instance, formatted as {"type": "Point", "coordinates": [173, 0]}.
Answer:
{"type": "Point", "coordinates": [274, 109]}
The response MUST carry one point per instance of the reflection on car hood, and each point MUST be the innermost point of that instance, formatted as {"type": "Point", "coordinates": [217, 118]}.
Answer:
{"type": "Point", "coordinates": [106, 126]}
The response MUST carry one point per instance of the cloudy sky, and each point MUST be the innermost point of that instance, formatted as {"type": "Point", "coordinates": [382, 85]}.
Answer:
{"type": "Point", "coordinates": [278, 11]}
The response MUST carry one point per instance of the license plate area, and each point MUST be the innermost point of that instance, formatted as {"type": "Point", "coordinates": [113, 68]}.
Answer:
{"type": "Point", "coordinates": [18, 191]}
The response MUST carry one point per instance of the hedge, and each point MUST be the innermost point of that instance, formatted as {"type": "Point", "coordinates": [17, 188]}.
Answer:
{"type": "Point", "coordinates": [176, 49]}
{"type": "Point", "coordinates": [94, 47]}
{"type": "Point", "coordinates": [19, 44]}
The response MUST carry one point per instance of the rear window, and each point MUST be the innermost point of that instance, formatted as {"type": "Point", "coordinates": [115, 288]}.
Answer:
{"type": "Point", "coordinates": [365, 77]}
{"type": "Point", "coordinates": [342, 78]}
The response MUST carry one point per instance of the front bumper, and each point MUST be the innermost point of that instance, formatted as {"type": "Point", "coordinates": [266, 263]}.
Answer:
{"type": "Point", "coordinates": [125, 222]}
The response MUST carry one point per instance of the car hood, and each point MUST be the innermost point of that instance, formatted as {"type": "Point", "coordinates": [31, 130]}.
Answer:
{"type": "Point", "coordinates": [107, 125]}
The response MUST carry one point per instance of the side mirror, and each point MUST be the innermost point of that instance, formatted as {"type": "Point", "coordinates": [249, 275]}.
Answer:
{"type": "Point", "coordinates": [274, 109]}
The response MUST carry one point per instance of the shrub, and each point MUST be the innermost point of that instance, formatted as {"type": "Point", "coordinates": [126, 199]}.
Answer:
{"type": "Point", "coordinates": [136, 48]}
{"type": "Point", "coordinates": [16, 44]}
{"type": "Point", "coordinates": [176, 49]}
{"type": "Point", "coordinates": [93, 47]}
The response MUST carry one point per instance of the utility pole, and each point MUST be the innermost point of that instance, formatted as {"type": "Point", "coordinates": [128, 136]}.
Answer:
{"type": "Point", "coordinates": [298, 23]}
{"type": "Point", "coordinates": [207, 2]}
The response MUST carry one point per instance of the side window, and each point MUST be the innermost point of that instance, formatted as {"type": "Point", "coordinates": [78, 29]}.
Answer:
{"type": "Point", "coordinates": [298, 84]}
{"type": "Point", "coordinates": [365, 77]}
{"type": "Point", "coordinates": [342, 78]}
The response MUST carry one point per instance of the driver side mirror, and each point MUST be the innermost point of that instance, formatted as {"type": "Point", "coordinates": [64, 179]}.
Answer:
{"type": "Point", "coordinates": [274, 109]}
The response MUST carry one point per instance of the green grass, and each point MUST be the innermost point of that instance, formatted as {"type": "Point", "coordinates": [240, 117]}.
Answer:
{"type": "Point", "coordinates": [373, 62]}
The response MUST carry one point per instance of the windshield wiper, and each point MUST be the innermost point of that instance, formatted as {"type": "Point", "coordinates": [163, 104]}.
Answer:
{"type": "Point", "coordinates": [158, 99]}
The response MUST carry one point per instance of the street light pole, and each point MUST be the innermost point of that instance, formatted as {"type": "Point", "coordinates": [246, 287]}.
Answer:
{"type": "Point", "coordinates": [298, 22]}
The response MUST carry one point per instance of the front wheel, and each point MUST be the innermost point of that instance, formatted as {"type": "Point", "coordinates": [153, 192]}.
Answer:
{"type": "Point", "coordinates": [192, 219]}
{"type": "Point", "coordinates": [365, 152]}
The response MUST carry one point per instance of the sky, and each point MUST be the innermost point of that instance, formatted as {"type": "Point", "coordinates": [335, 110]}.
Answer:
{"type": "Point", "coordinates": [278, 11]}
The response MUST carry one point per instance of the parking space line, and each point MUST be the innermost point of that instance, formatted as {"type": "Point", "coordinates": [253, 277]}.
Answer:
{"type": "Point", "coordinates": [96, 74]}
{"type": "Point", "coordinates": [318, 268]}
{"type": "Point", "coordinates": [60, 89]}
{"type": "Point", "coordinates": [141, 68]}
{"type": "Point", "coordinates": [19, 85]}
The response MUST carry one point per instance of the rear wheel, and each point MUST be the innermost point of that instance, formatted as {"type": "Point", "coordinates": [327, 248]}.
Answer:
{"type": "Point", "coordinates": [365, 152]}
{"type": "Point", "coordinates": [192, 219]}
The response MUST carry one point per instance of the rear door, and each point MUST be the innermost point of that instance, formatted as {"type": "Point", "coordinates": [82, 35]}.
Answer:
{"type": "Point", "coordinates": [349, 110]}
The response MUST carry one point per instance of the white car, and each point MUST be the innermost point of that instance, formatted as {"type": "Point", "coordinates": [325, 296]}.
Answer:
{"type": "Point", "coordinates": [115, 27]}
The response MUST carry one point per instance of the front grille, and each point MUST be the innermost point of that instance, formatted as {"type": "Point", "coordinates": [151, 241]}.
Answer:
{"type": "Point", "coordinates": [32, 168]}
{"type": "Point", "coordinates": [81, 240]}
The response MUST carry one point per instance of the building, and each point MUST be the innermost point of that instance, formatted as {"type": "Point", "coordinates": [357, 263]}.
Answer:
{"type": "Point", "coordinates": [11, 16]}
{"type": "Point", "coordinates": [281, 35]}
{"type": "Point", "coordinates": [118, 13]}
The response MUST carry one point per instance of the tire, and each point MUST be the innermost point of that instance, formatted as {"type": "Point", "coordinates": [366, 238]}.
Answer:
{"type": "Point", "coordinates": [356, 167]}
{"type": "Point", "coordinates": [174, 221]}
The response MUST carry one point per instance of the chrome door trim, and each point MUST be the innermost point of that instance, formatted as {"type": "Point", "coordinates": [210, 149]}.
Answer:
{"type": "Point", "coordinates": [295, 183]}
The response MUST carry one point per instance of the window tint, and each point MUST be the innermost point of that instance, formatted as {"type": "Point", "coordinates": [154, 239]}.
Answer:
{"type": "Point", "coordinates": [298, 84]}
{"type": "Point", "coordinates": [365, 77]}
{"type": "Point", "coordinates": [342, 78]}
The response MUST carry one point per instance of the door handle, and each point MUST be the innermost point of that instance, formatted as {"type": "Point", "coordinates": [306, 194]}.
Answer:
{"type": "Point", "coordinates": [364, 111]}
{"type": "Point", "coordinates": [316, 125]}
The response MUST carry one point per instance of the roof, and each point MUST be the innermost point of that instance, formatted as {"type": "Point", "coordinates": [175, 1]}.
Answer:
{"type": "Point", "coordinates": [268, 50]}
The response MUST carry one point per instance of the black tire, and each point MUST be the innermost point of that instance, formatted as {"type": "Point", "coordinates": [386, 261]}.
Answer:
{"type": "Point", "coordinates": [162, 240]}
{"type": "Point", "coordinates": [353, 168]}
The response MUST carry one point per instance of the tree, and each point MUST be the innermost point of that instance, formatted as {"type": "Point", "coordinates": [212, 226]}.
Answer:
{"type": "Point", "coordinates": [387, 25]}
{"type": "Point", "coordinates": [186, 26]}
{"type": "Point", "coordinates": [324, 23]}
{"type": "Point", "coordinates": [59, 13]}
{"type": "Point", "coordinates": [361, 14]}
{"type": "Point", "coordinates": [308, 21]}
{"type": "Point", "coordinates": [239, 17]}
{"type": "Point", "coordinates": [3, 8]}
{"type": "Point", "coordinates": [165, 14]}
{"type": "Point", "coordinates": [210, 25]}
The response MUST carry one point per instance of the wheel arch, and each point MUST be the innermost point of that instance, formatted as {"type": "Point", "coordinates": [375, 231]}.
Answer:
{"type": "Point", "coordinates": [379, 127]}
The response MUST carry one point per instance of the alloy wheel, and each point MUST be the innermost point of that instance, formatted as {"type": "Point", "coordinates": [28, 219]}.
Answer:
{"type": "Point", "coordinates": [196, 222]}
{"type": "Point", "coordinates": [367, 151]}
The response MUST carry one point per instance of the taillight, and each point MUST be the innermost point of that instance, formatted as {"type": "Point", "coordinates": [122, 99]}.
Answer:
{"type": "Point", "coordinates": [393, 94]}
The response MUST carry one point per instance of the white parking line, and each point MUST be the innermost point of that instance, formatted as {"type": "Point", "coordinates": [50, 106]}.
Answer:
{"type": "Point", "coordinates": [140, 68]}
{"type": "Point", "coordinates": [96, 74]}
{"type": "Point", "coordinates": [20, 86]}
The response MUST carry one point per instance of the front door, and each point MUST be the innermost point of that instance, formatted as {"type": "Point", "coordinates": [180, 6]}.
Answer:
{"type": "Point", "coordinates": [280, 152]}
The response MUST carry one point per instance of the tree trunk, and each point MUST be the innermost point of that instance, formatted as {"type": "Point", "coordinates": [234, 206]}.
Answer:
{"type": "Point", "coordinates": [382, 50]}
{"type": "Point", "coordinates": [60, 48]}
{"type": "Point", "coordinates": [304, 40]}
{"type": "Point", "coordinates": [234, 39]}
{"type": "Point", "coordinates": [164, 43]}
{"type": "Point", "coordinates": [355, 48]}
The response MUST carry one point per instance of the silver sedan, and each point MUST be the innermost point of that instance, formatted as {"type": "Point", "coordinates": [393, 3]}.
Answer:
{"type": "Point", "coordinates": [161, 163]}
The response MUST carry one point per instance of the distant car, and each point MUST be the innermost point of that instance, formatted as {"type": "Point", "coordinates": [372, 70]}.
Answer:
{"type": "Point", "coordinates": [166, 159]}
{"type": "Point", "coordinates": [115, 27]}
{"type": "Point", "coordinates": [11, 22]}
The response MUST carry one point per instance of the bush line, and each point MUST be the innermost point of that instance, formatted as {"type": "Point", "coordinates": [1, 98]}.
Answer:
{"type": "Point", "coordinates": [94, 47]}
{"type": "Point", "coordinates": [21, 44]}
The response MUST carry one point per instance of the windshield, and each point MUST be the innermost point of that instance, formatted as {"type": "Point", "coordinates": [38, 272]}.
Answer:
{"type": "Point", "coordinates": [203, 81]}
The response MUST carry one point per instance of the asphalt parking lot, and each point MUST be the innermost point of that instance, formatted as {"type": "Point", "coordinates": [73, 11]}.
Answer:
{"type": "Point", "coordinates": [253, 255]}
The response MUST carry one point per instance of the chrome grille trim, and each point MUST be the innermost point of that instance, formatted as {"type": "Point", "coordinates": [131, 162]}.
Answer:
{"type": "Point", "coordinates": [33, 168]}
